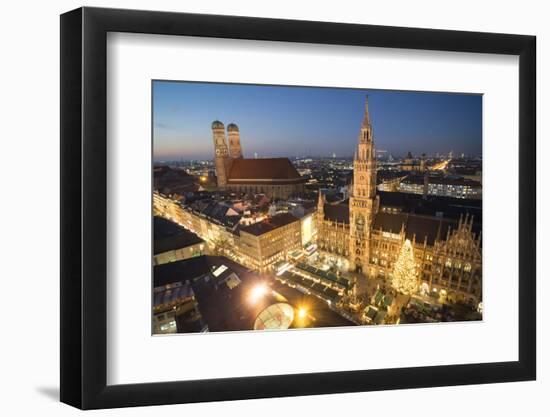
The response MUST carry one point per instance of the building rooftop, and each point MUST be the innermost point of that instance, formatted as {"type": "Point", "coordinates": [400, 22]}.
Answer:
{"type": "Point", "coordinates": [269, 224]}
{"type": "Point", "coordinates": [170, 236]}
{"type": "Point", "coordinates": [263, 169]}
{"type": "Point", "coordinates": [216, 212]}
{"type": "Point", "coordinates": [164, 296]}
{"type": "Point", "coordinates": [434, 207]}
{"type": "Point", "coordinates": [216, 124]}
{"type": "Point", "coordinates": [222, 290]}
{"type": "Point", "coordinates": [181, 271]}
{"type": "Point", "coordinates": [337, 213]}
{"type": "Point", "coordinates": [416, 226]}
{"type": "Point", "coordinates": [386, 175]}
{"type": "Point", "coordinates": [448, 207]}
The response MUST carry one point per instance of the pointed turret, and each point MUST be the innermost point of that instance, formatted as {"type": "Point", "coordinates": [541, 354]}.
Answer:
{"type": "Point", "coordinates": [366, 126]}
{"type": "Point", "coordinates": [320, 218]}
{"type": "Point", "coordinates": [366, 118]}
{"type": "Point", "coordinates": [321, 202]}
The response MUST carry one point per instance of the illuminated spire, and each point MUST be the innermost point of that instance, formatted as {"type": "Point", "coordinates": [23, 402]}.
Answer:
{"type": "Point", "coordinates": [321, 200]}
{"type": "Point", "coordinates": [366, 117]}
{"type": "Point", "coordinates": [365, 134]}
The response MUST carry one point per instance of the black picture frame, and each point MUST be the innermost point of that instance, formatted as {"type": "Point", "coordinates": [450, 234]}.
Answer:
{"type": "Point", "coordinates": [84, 207]}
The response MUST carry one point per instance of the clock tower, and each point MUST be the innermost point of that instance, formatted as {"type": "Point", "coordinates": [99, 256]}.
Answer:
{"type": "Point", "coordinates": [221, 156]}
{"type": "Point", "coordinates": [363, 203]}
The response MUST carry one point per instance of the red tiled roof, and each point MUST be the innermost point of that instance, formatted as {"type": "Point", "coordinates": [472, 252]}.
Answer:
{"type": "Point", "coordinates": [263, 168]}
{"type": "Point", "coordinates": [433, 228]}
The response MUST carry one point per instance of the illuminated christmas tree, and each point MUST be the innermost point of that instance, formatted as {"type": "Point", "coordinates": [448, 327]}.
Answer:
{"type": "Point", "coordinates": [405, 277]}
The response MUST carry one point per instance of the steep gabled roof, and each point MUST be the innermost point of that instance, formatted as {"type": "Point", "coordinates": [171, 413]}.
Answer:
{"type": "Point", "coordinates": [263, 168]}
{"type": "Point", "coordinates": [433, 228]}
{"type": "Point", "coordinates": [337, 213]}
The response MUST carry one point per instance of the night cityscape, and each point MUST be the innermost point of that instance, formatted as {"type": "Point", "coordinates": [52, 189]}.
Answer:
{"type": "Point", "coordinates": [295, 207]}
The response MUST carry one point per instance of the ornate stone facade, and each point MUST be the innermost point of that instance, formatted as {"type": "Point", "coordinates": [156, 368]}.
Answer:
{"type": "Point", "coordinates": [447, 252]}
{"type": "Point", "coordinates": [234, 135]}
{"type": "Point", "coordinates": [333, 231]}
{"type": "Point", "coordinates": [221, 153]}
{"type": "Point", "coordinates": [363, 202]}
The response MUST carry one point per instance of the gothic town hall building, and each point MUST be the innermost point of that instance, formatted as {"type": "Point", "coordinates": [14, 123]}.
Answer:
{"type": "Point", "coordinates": [368, 239]}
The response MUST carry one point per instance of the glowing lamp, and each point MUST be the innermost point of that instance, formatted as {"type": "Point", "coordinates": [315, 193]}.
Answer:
{"type": "Point", "coordinates": [258, 292]}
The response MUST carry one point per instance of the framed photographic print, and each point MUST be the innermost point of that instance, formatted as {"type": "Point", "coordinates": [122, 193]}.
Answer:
{"type": "Point", "coordinates": [257, 208]}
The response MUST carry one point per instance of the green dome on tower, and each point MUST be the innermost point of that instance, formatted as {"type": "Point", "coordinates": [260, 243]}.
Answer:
{"type": "Point", "coordinates": [216, 124]}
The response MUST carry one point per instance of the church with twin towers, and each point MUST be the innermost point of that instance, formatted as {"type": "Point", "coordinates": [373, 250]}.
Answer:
{"type": "Point", "coordinates": [277, 178]}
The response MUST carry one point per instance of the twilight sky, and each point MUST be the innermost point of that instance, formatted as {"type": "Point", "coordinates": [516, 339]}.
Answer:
{"type": "Point", "coordinates": [298, 121]}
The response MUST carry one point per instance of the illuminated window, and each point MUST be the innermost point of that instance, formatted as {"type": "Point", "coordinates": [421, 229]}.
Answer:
{"type": "Point", "coordinates": [219, 271]}
{"type": "Point", "coordinates": [168, 326]}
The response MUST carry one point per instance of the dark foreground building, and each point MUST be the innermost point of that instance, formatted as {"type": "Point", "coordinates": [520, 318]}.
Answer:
{"type": "Point", "coordinates": [212, 293]}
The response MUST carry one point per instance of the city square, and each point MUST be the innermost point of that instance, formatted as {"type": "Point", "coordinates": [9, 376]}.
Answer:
{"type": "Point", "coordinates": [307, 241]}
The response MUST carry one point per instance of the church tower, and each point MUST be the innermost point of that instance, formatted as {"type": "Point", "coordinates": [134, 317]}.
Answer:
{"type": "Point", "coordinates": [363, 202]}
{"type": "Point", "coordinates": [221, 157]}
{"type": "Point", "coordinates": [320, 210]}
{"type": "Point", "coordinates": [235, 150]}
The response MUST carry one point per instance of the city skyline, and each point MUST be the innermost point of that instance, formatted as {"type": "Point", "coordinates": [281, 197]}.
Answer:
{"type": "Point", "coordinates": [260, 244]}
{"type": "Point", "coordinates": [308, 121]}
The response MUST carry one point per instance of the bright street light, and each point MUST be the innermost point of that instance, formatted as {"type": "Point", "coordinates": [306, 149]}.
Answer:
{"type": "Point", "coordinates": [258, 292]}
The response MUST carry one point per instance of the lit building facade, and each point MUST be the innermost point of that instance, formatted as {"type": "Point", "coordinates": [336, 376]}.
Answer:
{"type": "Point", "coordinates": [441, 187]}
{"type": "Point", "coordinates": [257, 246]}
{"type": "Point", "coordinates": [262, 244]}
{"type": "Point", "coordinates": [447, 253]}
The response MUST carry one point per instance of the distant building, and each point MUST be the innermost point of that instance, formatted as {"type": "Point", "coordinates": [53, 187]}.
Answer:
{"type": "Point", "coordinates": [173, 180]}
{"type": "Point", "coordinates": [456, 187]}
{"type": "Point", "coordinates": [409, 163]}
{"type": "Point", "coordinates": [274, 177]}
{"type": "Point", "coordinates": [390, 180]}
{"type": "Point", "coordinates": [472, 173]}
{"type": "Point", "coordinates": [446, 207]}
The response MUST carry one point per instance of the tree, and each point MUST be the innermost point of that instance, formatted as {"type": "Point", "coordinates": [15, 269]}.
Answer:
{"type": "Point", "coordinates": [220, 246]}
{"type": "Point", "coordinates": [405, 276]}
